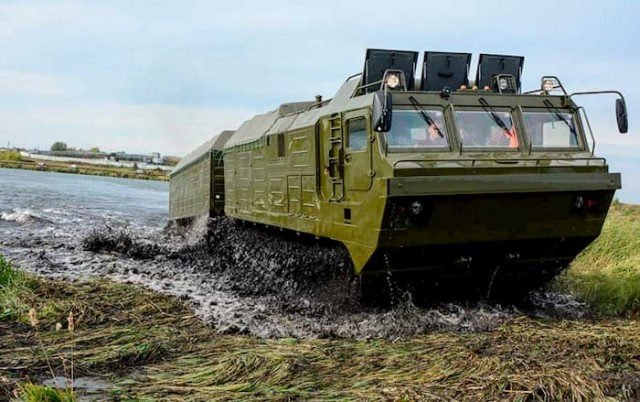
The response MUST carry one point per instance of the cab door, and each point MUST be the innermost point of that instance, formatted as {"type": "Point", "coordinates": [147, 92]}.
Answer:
{"type": "Point", "coordinates": [358, 173]}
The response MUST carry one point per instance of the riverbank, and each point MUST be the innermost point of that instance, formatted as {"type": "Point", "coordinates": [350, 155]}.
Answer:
{"type": "Point", "coordinates": [130, 343]}
{"type": "Point", "coordinates": [606, 274]}
{"type": "Point", "coordinates": [83, 168]}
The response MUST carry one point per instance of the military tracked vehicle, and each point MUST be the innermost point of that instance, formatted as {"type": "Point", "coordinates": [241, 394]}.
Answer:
{"type": "Point", "coordinates": [434, 173]}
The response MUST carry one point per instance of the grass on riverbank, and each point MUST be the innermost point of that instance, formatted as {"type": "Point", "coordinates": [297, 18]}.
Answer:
{"type": "Point", "coordinates": [82, 168]}
{"type": "Point", "coordinates": [10, 156]}
{"type": "Point", "coordinates": [14, 285]}
{"type": "Point", "coordinates": [140, 345]}
{"type": "Point", "coordinates": [146, 346]}
{"type": "Point", "coordinates": [607, 274]}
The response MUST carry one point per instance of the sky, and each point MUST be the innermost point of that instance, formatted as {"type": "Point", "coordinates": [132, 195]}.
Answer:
{"type": "Point", "coordinates": [166, 76]}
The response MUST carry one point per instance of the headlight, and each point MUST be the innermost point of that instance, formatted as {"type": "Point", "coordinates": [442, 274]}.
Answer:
{"type": "Point", "coordinates": [416, 208]}
{"type": "Point", "coordinates": [502, 82]}
{"type": "Point", "coordinates": [548, 85]}
{"type": "Point", "coordinates": [393, 80]}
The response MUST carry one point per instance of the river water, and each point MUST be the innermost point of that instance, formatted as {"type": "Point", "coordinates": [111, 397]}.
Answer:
{"type": "Point", "coordinates": [238, 280]}
{"type": "Point", "coordinates": [64, 199]}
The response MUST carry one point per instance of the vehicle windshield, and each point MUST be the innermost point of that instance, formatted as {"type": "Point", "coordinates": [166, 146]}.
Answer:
{"type": "Point", "coordinates": [409, 129]}
{"type": "Point", "coordinates": [551, 129]}
{"type": "Point", "coordinates": [486, 129]}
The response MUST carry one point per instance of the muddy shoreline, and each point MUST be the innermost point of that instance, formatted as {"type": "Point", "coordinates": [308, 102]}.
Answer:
{"type": "Point", "coordinates": [244, 280]}
{"type": "Point", "coordinates": [215, 313]}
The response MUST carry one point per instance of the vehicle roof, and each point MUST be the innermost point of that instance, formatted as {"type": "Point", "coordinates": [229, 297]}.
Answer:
{"type": "Point", "coordinates": [291, 116]}
{"type": "Point", "coordinates": [216, 143]}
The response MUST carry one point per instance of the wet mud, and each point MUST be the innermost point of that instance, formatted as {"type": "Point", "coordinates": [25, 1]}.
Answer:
{"type": "Point", "coordinates": [245, 279]}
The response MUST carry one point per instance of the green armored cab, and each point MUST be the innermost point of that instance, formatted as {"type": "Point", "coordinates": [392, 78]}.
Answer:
{"type": "Point", "coordinates": [434, 173]}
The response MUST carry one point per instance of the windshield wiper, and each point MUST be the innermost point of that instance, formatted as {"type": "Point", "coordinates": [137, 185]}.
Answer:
{"type": "Point", "coordinates": [494, 116]}
{"type": "Point", "coordinates": [559, 115]}
{"type": "Point", "coordinates": [425, 116]}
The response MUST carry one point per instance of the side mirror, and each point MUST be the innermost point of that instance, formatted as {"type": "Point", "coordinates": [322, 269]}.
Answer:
{"type": "Point", "coordinates": [621, 116]}
{"type": "Point", "coordinates": [382, 108]}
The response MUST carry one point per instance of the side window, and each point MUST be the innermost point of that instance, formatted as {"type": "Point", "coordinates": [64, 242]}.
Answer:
{"type": "Point", "coordinates": [281, 147]}
{"type": "Point", "coordinates": [357, 134]}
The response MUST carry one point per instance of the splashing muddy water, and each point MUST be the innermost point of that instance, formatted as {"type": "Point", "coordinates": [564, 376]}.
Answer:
{"type": "Point", "coordinates": [238, 278]}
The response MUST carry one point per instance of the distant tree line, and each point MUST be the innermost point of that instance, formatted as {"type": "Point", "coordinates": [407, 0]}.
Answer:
{"type": "Point", "coordinates": [60, 146]}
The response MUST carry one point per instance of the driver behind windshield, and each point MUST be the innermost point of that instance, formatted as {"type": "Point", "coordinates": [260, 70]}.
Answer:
{"type": "Point", "coordinates": [409, 129]}
{"type": "Point", "coordinates": [486, 130]}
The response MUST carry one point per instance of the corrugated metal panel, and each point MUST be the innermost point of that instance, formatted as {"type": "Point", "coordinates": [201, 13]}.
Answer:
{"type": "Point", "coordinates": [190, 191]}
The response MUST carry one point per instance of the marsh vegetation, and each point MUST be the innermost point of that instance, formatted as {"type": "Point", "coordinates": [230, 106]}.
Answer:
{"type": "Point", "coordinates": [144, 345]}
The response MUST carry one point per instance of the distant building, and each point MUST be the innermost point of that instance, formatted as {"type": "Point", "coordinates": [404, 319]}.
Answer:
{"type": "Point", "coordinates": [154, 157]}
{"type": "Point", "coordinates": [72, 154]}
{"type": "Point", "coordinates": [122, 156]}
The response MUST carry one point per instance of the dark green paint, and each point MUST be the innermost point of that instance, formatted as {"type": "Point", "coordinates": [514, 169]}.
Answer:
{"type": "Point", "coordinates": [302, 168]}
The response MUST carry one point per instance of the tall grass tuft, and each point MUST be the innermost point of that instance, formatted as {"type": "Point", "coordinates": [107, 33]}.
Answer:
{"type": "Point", "coordinates": [607, 273]}
{"type": "Point", "coordinates": [39, 393]}
{"type": "Point", "coordinates": [12, 284]}
{"type": "Point", "coordinates": [8, 274]}
{"type": "Point", "coordinates": [15, 288]}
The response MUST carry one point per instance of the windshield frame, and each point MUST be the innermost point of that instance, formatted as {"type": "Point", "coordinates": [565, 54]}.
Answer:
{"type": "Point", "coordinates": [581, 141]}
{"type": "Point", "coordinates": [512, 106]}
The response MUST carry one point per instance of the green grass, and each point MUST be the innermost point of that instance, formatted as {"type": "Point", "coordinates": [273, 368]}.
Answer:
{"type": "Point", "coordinates": [38, 393]}
{"type": "Point", "coordinates": [607, 273]}
{"type": "Point", "coordinates": [10, 156]}
{"type": "Point", "coordinates": [14, 285]}
{"type": "Point", "coordinates": [149, 346]}
{"type": "Point", "coordinates": [84, 169]}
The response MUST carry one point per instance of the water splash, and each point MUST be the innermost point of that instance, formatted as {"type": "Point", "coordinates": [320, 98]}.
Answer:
{"type": "Point", "coordinates": [246, 280]}
{"type": "Point", "coordinates": [23, 216]}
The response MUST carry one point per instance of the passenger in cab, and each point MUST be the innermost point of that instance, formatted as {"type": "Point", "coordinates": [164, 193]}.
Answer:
{"type": "Point", "coordinates": [437, 134]}
{"type": "Point", "coordinates": [410, 129]}
{"type": "Point", "coordinates": [486, 130]}
{"type": "Point", "coordinates": [503, 137]}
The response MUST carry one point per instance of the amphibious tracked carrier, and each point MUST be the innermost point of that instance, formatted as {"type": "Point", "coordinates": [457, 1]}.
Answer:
{"type": "Point", "coordinates": [435, 173]}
